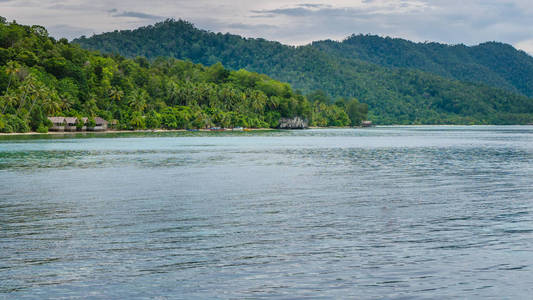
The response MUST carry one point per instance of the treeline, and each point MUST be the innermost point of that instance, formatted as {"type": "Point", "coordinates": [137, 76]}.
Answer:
{"type": "Point", "coordinates": [397, 93]}
{"type": "Point", "coordinates": [41, 76]}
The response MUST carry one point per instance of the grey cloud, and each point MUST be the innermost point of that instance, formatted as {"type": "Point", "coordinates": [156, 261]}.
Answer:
{"type": "Point", "coordinates": [245, 29]}
{"type": "Point", "coordinates": [438, 20]}
{"type": "Point", "coordinates": [139, 15]}
{"type": "Point", "coordinates": [258, 16]}
{"type": "Point", "coordinates": [297, 11]}
{"type": "Point", "coordinates": [313, 5]}
{"type": "Point", "coordinates": [21, 3]}
{"type": "Point", "coordinates": [294, 21]}
{"type": "Point", "coordinates": [322, 11]}
{"type": "Point", "coordinates": [68, 31]}
{"type": "Point", "coordinates": [250, 26]}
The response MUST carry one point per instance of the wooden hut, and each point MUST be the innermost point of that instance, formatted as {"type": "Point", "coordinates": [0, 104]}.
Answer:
{"type": "Point", "coordinates": [58, 123]}
{"type": "Point", "coordinates": [101, 124]}
{"type": "Point", "coordinates": [70, 123]}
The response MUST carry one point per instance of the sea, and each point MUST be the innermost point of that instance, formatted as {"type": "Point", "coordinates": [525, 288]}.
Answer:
{"type": "Point", "coordinates": [398, 212]}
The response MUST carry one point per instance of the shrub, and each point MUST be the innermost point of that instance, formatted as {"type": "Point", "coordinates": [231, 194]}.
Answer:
{"type": "Point", "coordinates": [42, 128]}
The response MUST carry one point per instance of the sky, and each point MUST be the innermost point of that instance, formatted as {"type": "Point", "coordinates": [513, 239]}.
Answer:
{"type": "Point", "coordinates": [293, 22]}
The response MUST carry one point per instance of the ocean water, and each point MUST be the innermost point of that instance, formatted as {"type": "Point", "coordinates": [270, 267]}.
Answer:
{"type": "Point", "coordinates": [389, 212]}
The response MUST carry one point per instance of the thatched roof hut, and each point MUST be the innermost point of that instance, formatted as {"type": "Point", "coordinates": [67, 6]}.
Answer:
{"type": "Point", "coordinates": [57, 120]}
{"type": "Point", "coordinates": [69, 124]}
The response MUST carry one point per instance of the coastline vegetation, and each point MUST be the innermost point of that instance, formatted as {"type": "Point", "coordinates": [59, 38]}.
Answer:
{"type": "Point", "coordinates": [402, 82]}
{"type": "Point", "coordinates": [42, 77]}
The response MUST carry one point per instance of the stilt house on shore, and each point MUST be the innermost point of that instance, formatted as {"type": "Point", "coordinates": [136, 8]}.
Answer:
{"type": "Point", "coordinates": [72, 124]}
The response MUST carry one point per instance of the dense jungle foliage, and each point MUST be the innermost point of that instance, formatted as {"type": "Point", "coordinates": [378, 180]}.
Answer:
{"type": "Point", "coordinates": [402, 84]}
{"type": "Point", "coordinates": [41, 76]}
{"type": "Point", "coordinates": [495, 64]}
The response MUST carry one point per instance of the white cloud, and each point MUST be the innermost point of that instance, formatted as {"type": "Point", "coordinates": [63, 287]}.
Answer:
{"type": "Point", "coordinates": [526, 46]}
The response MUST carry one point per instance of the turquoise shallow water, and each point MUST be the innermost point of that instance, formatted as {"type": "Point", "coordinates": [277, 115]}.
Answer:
{"type": "Point", "coordinates": [389, 212]}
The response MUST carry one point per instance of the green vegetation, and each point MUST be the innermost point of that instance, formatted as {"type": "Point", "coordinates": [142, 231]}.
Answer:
{"type": "Point", "coordinates": [495, 64]}
{"type": "Point", "coordinates": [41, 77]}
{"type": "Point", "coordinates": [405, 86]}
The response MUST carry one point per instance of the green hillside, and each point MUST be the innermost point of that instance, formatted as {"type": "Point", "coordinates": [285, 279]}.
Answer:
{"type": "Point", "coordinates": [492, 63]}
{"type": "Point", "coordinates": [41, 77]}
{"type": "Point", "coordinates": [395, 94]}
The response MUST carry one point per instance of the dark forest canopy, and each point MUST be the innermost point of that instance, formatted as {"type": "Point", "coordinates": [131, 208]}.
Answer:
{"type": "Point", "coordinates": [41, 77]}
{"type": "Point", "coordinates": [402, 82]}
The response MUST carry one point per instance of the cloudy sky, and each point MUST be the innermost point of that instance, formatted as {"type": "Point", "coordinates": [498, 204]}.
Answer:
{"type": "Point", "coordinates": [293, 21]}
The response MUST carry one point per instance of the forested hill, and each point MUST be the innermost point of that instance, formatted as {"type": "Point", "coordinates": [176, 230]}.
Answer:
{"type": "Point", "coordinates": [394, 95]}
{"type": "Point", "coordinates": [42, 77]}
{"type": "Point", "coordinates": [492, 63]}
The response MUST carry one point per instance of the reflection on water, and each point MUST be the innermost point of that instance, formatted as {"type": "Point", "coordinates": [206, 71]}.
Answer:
{"type": "Point", "coordinates": [426, 212]}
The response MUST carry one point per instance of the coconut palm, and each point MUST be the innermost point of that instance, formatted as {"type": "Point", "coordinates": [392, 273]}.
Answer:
{"type": "Point", "coordinates": [9, 100]}
{"type": "Point", "coordinates": [173, 93]}
{"type": "Point", "coordinates": [28, 88]}
{"type": "Point", "coordinates": [273, 102]}
{"type": "Point", "coordinates": [90, 106]}
{"type": "Point", "coordinates": [40, 92]}
{"type": "Point", "coordinates": [116, 94]}
{"type": "Point", "coordinates": [12, 68]}
{"type": "Point", "coordinates": [138, 100]}
{"type": "Point", "coordinates": [258, 102]}
{"type": "Point", "coordinates": [51, 104]}
{"type": "Point", "coordinates": [66, 102]}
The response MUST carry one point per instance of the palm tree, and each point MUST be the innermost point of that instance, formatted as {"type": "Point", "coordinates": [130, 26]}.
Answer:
{"type": "Point", "coordinates": [12, 68]}
{"type": "Point", "coordinates": [273, 102]}
{"type": "Point", "coordinates": [66, 102]}
{"type": "Point", "coordinates": [115, 95]}
{"type": "Point", "coordinates": [258, 102]}
{"type": "Point", "coordinates": [28, 87]}
{"type": "Point", "coordinates": [9, 100]}
{"type": "Point", "coordinates": [138, 100]}
{"type": "Point", "coordinates": [173, 93]}
{"type": "Point", "coordinates": [90, 106]}
{"type": "Point", "coordinates": [51, 104]}
{"type": "Point", "coordinates": [137, 121]}
{"type": "Point", "coordinates": [40, 92]}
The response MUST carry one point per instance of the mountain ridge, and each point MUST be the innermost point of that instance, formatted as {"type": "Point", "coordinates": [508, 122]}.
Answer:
{"type": "Point", "coordinates": [486, 62]}
{"type": "Point", "coordinates": [396, 94]}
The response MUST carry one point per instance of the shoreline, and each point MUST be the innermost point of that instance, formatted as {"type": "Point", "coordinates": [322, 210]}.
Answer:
{"type": "Point", "coordinates": [125, 131]}
{"type": "Point", "coordinates": [207, 130]}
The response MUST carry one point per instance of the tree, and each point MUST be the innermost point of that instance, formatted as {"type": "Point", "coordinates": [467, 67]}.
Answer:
{"type": "Point", "coordinates": [115, 94]}
{"type": "Point", "coordinates": [138, 100]}
{"type": "Point", "coordinates": [66, 102]}
{"type": "Point", "coordinates": [12, 68]}
{"type": "Point", "coordinates": [137, 121]}
{"type": "Point", "coordinates": [318, 96]}
{"type": "Point", "coordinates": [153, 120]}
{"type": "Point", "coordinates": [9, 101]}
{"type": "Point", "coordinates": [356, 112]}
{"type": "Point", "coordinates": [90, 107]}
{"type": "Point", "coordinates": [51, 103]}
{"type": "Point", "coordinates": [28, 87]}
